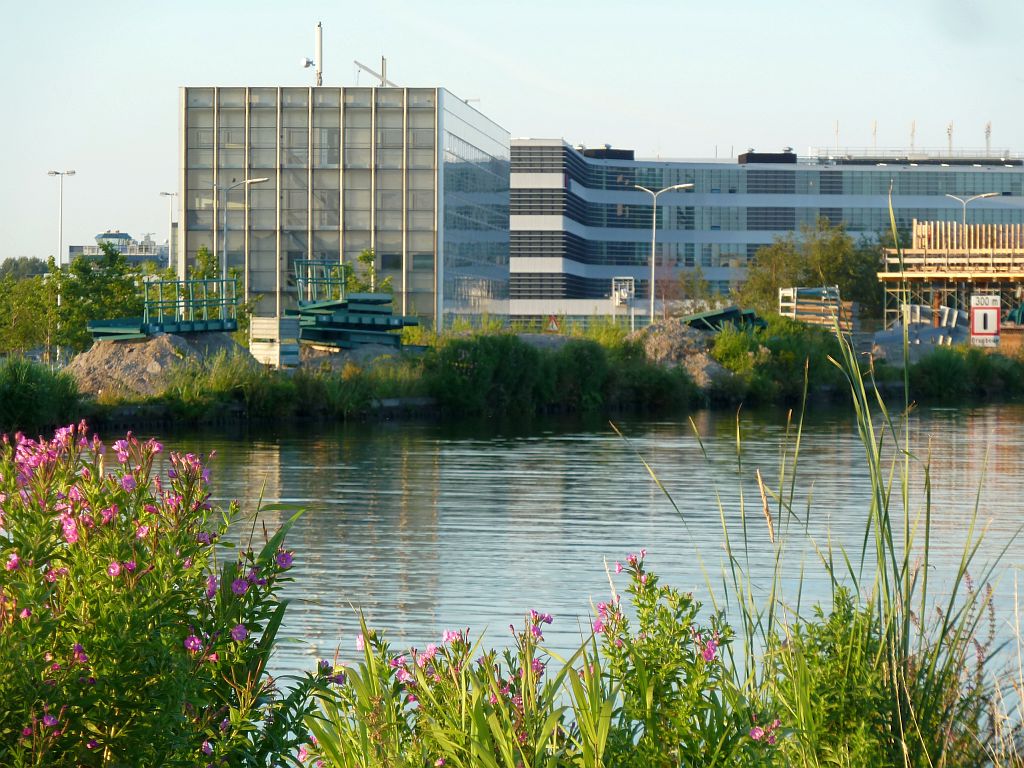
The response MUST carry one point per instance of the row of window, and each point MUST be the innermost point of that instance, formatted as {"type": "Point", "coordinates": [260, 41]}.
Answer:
{"type": "Point", "coordinates": [320, 97]}
{"type": "Point", "coordinates": [739, 180]}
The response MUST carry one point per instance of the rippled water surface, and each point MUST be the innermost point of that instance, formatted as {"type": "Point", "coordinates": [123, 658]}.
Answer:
{"type": "Point", "coordinates": [426, 528]}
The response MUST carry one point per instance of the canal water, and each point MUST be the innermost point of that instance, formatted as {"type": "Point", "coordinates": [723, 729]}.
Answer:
{"type": "Point", "coordinates": [425, 528]}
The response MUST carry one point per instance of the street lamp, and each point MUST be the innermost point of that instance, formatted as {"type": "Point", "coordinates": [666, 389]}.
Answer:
{"type": "Point", "coordinates": [964, 202]}
{"type": "Point", "coordinates": [225, 189]}
{"type": "Point", "coordinates": [170, 224]}
{"type": "Point", "coordinates": [60, 215]}
{"type": "Point", "coordinates": [654, 227]}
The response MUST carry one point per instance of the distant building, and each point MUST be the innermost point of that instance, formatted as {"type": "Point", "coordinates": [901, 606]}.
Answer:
{"type": "Point", "coordinates": [578, 222]}
{"type": "Point", "coordinates": [416, 174]}
{"type": "Point", "coordinates": [134, 251]}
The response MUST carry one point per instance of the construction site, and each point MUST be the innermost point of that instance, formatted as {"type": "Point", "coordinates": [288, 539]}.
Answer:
{"type": "Point", "coordinates": [931, 286]}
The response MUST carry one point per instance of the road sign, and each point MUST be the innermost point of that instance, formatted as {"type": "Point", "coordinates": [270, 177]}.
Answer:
{"type": "Point", "coordinates": [552, 326]}
{"type": "Point", "coordinates": [985, 321]}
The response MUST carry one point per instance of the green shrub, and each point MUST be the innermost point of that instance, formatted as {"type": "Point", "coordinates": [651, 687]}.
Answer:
{"type": "Point", "coordinates": [33, 398]}
{"type": "Point", "coordinates": [651, 691]}
{"type": "Point", "coordinates": [483, 375]}
{"type": "Point", "coordinates": [128, 634]}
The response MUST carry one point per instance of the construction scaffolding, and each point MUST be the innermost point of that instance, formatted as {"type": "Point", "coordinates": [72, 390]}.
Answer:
{"type": "Point", "coordinates": [947, 263]}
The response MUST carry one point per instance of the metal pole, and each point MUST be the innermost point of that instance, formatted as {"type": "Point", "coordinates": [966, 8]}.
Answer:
{"type": "Point", "coordinates": [60, 227]}
{"type": "Point", "coordinates": [654, 235]}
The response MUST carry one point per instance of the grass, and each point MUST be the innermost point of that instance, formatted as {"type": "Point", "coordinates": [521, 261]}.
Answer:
{"type": "Point", "coordinates": [34, 398]}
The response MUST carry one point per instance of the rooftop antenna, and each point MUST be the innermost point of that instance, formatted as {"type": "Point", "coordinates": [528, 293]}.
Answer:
{"type": "Point", "coordinates": [382, 76]}
{"type": "Point", "coordinates": [318, 56]}
{"type": "Point", "coordinates": [874, 136]}
{"type": "Point", "coordinates": [913, 132]}
{"type": "Point", "coordinates": [837, 137]}
{"type": "Point", "coordinates": [988, 137]}
{"type": "Point", "coordinates": [949, 136]}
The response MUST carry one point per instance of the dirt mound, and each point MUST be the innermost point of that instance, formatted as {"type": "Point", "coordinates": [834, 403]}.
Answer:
{"type": "Point", "coordinates": [140, 367]}
{"type": "Point", "coordinates": [675, 344]}
{"type": "Point", "coordinates": [672, 342]}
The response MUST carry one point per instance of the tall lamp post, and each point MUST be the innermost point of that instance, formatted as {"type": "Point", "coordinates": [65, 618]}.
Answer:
{"type": "Point", "coordinates": [224, 250]}
{"type": "Point", "coordinates": [60, 215]}
{"type": "Point", "coordinates": [170, 225]}
{"type": "Point", "coordinates": [964, 201]}
{"type": "Point", "coordinates": [60, 242]}
{"type": "Point", "coordinates": [654, 227]}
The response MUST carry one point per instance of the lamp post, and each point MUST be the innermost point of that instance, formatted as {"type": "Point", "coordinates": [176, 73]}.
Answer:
{"type": "Point", "coordinates": [225, 190]}
{"type": "Point", "coordinates": [60, 215]}
{"type": "Point", "coordinates": [654, 227]}
{"type": "Point", "coordinates": [60, 243]}
{"type": "Point", "coordinates": [964, 201]}
{"type": "Point", "coordinates": [170, 224]}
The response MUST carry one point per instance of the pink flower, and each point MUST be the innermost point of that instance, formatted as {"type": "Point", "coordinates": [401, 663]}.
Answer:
{"type": "Point", "coordinates": [142, 531]}
{"type": "Point", "coordinates": [128, 483]}
{"type": "Point", "coordinates": [439, 762]}
{"type": "Point", "coordinates": [709, 650]}
{"type": "Point", "coordinates": [450, 636]}
{"type": "Point", "coordinates": [598, 626]}
{"type": "Point", "coordinates": [239, 633]}
{"type": "Point", "coordinates": [360, 644]}
{"type": "Point", "coordinates": [91, 744]}
{"type": "Point", "coordinates": [207, 749]}
{"type": "Point", "coordinates": [114, 569]}
{"type": "Point", "coordinates": [303, 754]}
{"type": "Point", "coordinates": [193, 644]}
{"type": "Point", "coordinates": [284, 559]}
{"type": "Point", "coordinates": [12, 562]}
{"type": "Point", "coordinates": [756, 733]}
{"type": "Point", "coordinates": [79, 654]}
{"type": "Point", "coordinates": [25, 613]}
{"type": "Point", "coordinates": [49, 720]}
{"type": "Point", "coordinates": [211, 586]}
{"type": "Point", "coordinates": [239, 586]}
{"type": "Point", "coordinates": [618, 567]}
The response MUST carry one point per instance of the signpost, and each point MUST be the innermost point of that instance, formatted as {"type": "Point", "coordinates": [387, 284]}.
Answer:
{"type": "Point", "coordinates": [985, 321]}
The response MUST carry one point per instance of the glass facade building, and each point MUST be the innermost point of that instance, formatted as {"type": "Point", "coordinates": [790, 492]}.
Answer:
{"type": "Point", "coordinates": [577, 220]}
{"type": "Point", "coordinates": [413, 173]}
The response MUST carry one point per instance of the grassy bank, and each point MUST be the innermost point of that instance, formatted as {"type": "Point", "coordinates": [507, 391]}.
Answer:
{"type": "Point", "coordinates": [496, 374]}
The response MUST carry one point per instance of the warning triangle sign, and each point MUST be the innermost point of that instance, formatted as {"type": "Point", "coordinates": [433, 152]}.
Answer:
{"type": "Point", "coordinates": [552, 326]}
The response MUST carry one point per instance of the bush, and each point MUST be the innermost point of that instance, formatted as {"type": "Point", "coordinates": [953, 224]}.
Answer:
{"type": "Point", "coordinates": [655, 696]}
{"type": "Point", "coordinates": [126, 636]}
{"type": "Point", "coordinates": [33, 398]}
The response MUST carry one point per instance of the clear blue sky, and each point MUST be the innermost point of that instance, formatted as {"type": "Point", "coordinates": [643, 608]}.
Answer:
{"type": "Point", "coordinates": [94, 85]}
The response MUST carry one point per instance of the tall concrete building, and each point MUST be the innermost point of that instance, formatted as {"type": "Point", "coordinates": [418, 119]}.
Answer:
{"type": "Point", "coordinates": [578, 221]}
{"type": "Point", "coordinates": [415, 174]}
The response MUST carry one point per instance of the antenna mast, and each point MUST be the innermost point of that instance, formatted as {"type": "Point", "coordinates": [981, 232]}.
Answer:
{"type": "Point", "coordinates": [318, 57]}
{"type": "Point", "coordinates": [319, 54]}
{"type": "Point", "coordinates": [988, 137]}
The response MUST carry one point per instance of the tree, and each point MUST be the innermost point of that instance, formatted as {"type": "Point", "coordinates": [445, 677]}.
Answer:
{"type": "Point", "coordinates": [206, 267]}
{"type": "Point", "coordinates": [363, 279]}
{"type": "Point", "coordinates": [25, 266]}
{"type": "Point", "coordinates": [823, 254]}
{"type": "Point", "coordinates": [100, 289]}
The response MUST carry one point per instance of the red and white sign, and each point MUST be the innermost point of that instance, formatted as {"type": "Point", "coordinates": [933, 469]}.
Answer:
{"type": "Point", "coordinates": [985, 312]}
{"type": "Point", "coordinates": [552, 326]}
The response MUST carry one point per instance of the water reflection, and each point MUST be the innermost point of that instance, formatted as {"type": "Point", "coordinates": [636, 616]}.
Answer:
{"type": "Point", "coordinates": [424, 528]}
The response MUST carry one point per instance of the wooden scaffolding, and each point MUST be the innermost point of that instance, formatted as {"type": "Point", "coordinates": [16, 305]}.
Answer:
{"type": "Point", "coordinates": [948, 262]}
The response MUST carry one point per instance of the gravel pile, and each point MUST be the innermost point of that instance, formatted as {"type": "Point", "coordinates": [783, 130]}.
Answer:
{"type": "Point", "coordinates": [140, 367]}
{"type": "Point", "coordinates": [674, 344]}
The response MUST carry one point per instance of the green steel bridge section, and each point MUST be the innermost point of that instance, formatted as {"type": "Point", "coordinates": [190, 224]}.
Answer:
{"type": "Point", "coordinates": [329, 316]}
{"type": "Point", "coordinates": [176, 306]}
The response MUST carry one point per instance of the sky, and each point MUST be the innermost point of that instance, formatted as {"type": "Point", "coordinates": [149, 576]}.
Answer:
{"type": "Point", "coordinates": [93, 86]}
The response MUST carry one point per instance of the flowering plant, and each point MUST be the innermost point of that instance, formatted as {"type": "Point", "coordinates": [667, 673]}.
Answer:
{"type": "Point", "coordinates": [123, 640]}
{"type": "Point", "coordinates": [658, 695]}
